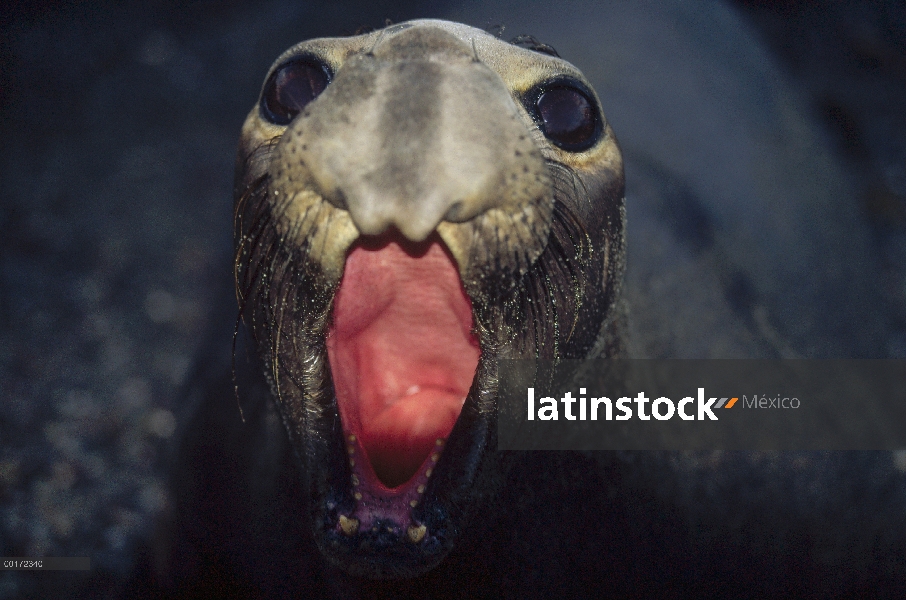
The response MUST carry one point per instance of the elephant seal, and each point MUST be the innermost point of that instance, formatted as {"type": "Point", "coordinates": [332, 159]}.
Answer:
{"type": "Point", "coordinates": [265, 503]}
{"type": "Point", "coordinates": [411, 206]}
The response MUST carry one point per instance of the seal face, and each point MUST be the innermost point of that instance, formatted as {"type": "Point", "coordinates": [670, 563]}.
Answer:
{"type": "Point", "coordinates": [412, 205]}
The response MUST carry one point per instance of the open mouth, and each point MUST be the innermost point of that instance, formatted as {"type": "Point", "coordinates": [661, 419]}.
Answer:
{"type": "Point", "coordinates": [403, 354]}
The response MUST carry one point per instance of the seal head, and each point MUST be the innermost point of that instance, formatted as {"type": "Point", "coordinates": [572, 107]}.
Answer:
{"type": "Point", "coordinates": [413, 205]}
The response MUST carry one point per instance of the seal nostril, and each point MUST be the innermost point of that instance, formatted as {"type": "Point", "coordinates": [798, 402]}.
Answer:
{"type": "Point", "coordinates": [339, 200]}
{"type": "Point", "coordinates": [455, 212]}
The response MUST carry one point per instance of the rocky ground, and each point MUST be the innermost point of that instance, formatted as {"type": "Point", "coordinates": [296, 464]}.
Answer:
{"type": "Point", "coordinates": [119, 124]}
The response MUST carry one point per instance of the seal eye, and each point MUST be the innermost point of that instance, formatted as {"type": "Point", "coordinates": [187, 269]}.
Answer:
{"type": "Point", "coordinates": [568, 118]}
{"type": "Point", "coordinates": [291, 87]}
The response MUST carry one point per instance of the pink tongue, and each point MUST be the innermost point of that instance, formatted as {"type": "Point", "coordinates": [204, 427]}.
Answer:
{"type": "Point", "coordinates": [402, 352]}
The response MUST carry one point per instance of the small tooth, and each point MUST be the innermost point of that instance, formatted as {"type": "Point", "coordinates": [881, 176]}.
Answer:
{"type": "Point", "coordinates": [428, 472]}
{"type": "Point", "coordinates": [421, 489]}
{"type": "Point", "coordinates": [413, 503]}
{"type": "Point", "coordinates": [355, 479]}
{"type": "Point", "coordinates": [348, 525]}
{"type": "Point", "coordinates": [434, 457]}
{"type": "Point", "coordinates": [351, 462]}
{"type": "Point", "coordinates": [439, 442]}
{"type": "Point", "coordinates": [350, 449]}
{"type": "Point", "coordinates": [417, 534]}
{"type": "Point", "coordinates": [357, 496]}
{"type": "Point", "coordinates": [351, 437]}
{"type": "Point", "coordinates": [389, 529]}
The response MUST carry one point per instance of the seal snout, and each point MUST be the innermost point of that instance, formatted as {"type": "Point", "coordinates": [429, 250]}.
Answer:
{"type": "Point", "coordinates": [396, 139]}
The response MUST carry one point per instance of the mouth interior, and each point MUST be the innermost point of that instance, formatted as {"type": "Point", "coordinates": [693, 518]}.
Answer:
{"type": "Point", "coordinates": [402, 351]}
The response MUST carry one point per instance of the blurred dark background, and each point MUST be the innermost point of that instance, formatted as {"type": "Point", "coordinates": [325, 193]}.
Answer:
{"type": "Point", "coordinates": [118, 133]}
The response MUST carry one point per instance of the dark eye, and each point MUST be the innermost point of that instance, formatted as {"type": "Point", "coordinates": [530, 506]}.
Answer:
{"type": "Point", "coordinates": [568, 118]}
{"type": "Point", "coordinates": [291, 87]}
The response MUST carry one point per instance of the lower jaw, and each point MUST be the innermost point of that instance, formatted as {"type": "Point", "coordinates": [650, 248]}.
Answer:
{"type": "Point", "coordinates": [377, 505]}
{"type": "Point", "coordinates": [406, 540]}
